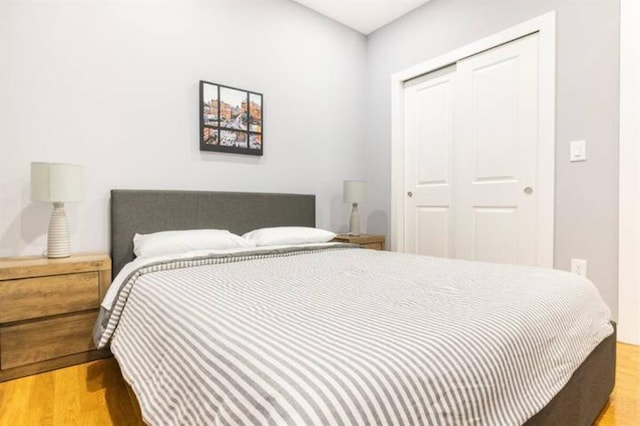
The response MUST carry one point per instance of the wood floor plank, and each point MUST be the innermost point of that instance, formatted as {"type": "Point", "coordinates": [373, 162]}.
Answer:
{"type": "Point", "coordinates": [624, 405]}
{"type": "Point", "coordinates": [95, 394]}
{"type": "Point", "coordinates": [43, 412]}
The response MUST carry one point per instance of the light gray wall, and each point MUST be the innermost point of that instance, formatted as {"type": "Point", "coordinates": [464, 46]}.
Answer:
{"type": "Point", "coordinates": [113, 85]}
{"type": "Point", "coordinates": [586, 217]}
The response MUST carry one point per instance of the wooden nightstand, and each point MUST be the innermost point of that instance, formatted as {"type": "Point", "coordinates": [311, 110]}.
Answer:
{"type": "Point", "coordinates": [47, 311]}
{"type": "Point", "coordinates": [374, 242]}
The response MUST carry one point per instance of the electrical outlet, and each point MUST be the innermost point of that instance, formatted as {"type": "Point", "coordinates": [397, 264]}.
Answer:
{"type": "Point", "coordinates": [579, 266]}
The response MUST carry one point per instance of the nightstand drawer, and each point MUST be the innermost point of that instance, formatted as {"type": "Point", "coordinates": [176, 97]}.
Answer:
{"type": "Point", "coordinates": [368, 241]}
{"type": "Point", "coordinates": [373, 246]}
{"type": "Point", "coordinates": [31, 342]}
{"type": "Point", "coordinates": [43, 296]}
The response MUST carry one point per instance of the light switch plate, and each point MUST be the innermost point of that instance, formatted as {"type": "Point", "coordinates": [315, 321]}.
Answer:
{"type": "Point", "coordinates": [578, 151]}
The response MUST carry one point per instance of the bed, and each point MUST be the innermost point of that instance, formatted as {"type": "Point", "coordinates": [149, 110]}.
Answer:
{"type": "Point", "coordinates": [332, 334]}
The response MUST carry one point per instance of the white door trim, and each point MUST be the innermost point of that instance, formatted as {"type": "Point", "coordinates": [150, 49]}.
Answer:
{"type": "Point", "coordinates": [629, 207]}
{"type": "Point", "coordinates": [545, 26]}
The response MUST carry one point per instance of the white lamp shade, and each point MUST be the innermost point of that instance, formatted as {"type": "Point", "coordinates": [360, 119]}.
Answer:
{"type": "Point", "coordinates": [57, 182]}
{"type": "Point", "coordinates": [355, 191]}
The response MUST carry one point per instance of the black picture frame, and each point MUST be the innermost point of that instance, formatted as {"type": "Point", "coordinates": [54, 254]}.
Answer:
{"type": "Point", "coordinates": [231, 119]}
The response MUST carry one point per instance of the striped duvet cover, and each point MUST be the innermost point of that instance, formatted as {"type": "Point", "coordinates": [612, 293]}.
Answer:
{"type": "Point", "coordinates": [344, 336]}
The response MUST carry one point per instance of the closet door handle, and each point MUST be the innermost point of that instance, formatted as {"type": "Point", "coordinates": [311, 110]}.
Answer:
{"type": "Point", "coordinates": [409, 194]}
{"type": "Point", "coordinates": [528, 190]}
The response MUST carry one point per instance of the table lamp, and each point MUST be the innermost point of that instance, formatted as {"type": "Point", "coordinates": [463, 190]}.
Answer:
{"type": "Point", "coordinates": [57, 183]}
{"type": "Point", "coordinates": [354, 192]}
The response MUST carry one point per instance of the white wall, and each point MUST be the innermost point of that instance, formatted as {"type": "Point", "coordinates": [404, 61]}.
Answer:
{"type": "Point", "coordinates": [586, 216]}
{"type": "Point", "coordinates": [113, 85]}
{"type": "Point", "coordinates": [629, 299]}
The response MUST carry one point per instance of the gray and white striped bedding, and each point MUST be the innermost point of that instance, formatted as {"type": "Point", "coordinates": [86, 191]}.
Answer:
{"type": "Point", "coordinates": [349, 336]}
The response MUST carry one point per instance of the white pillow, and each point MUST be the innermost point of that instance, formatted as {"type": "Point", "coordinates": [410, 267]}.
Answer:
{"type": "Point", "coordinates": [173, 242]}
{"type": "Point", "coordinates": [288, 235]}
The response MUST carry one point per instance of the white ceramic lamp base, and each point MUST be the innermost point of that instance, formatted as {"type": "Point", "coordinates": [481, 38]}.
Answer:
{"type": "Point", "coordinates": [354, 221]}
{"type": "Point", "coordinates": [58, 237]}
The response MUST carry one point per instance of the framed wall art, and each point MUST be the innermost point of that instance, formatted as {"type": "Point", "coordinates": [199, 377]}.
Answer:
{"type": "Point", "coordinates": [231, 119]}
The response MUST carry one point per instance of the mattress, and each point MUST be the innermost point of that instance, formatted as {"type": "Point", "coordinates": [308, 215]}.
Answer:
{"type": "Point", "coordinates": [338, 335]}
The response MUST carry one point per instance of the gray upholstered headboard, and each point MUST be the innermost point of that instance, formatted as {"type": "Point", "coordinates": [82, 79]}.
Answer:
{"type": "Point", "coordinates": [145, 211]}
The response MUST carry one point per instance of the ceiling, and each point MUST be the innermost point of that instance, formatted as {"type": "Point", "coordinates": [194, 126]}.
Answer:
{"type": "Point", "coordinates": [365, 16]}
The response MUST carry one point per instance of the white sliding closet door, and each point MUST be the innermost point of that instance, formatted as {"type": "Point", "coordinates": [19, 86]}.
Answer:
{"type": "Point", "coordinates": [496, 151]}
{"type": "Point", "coordinates": [471, 143]}
{"type": "Point", "coordinates": [428, 157]}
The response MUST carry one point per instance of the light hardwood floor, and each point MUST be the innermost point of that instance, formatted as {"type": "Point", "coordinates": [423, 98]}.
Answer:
{"type": "Point", "coordinates": [623, 408]}
{"type": "Point", "coordinates": [95, 394]}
